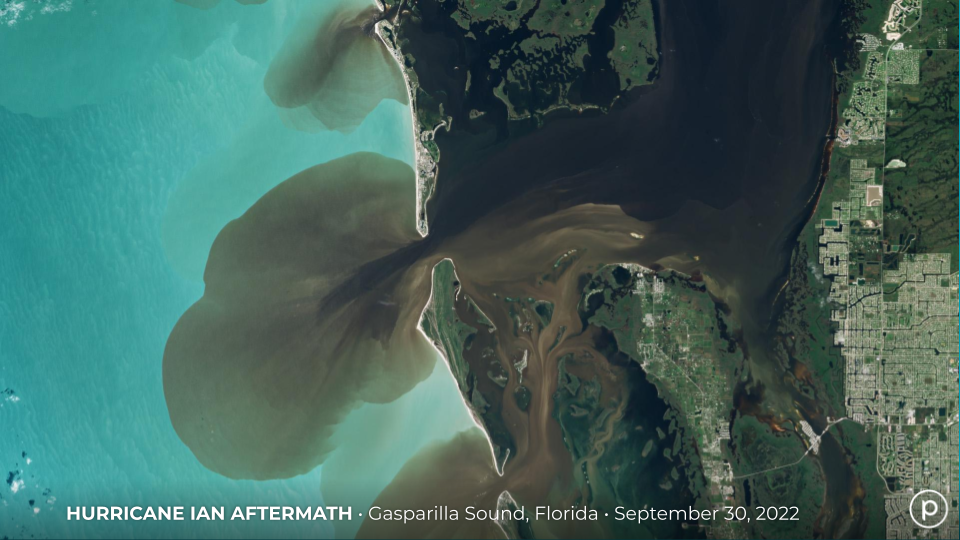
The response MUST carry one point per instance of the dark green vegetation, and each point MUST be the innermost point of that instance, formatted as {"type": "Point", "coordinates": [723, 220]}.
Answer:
{"type": "Point", "coordinates": [443, 324]}
{"type": "Point", "coordinates": [804, 336]}
{"type": "Point", "coordinates": [625, 442]}
{"type": "Point", "coordinates": [476, 66]}
{"type": "Point", "coordinates": [539, 56]}
{"type": "Point", "coordinates": [522, 396]}
{"type": "Point", "coordinates": [581, 414]}
{"type": "Point", "coordinates": [934, 28]}
{"type": "Point", "coordinates": [862, 440]}
{"type": "Point", "coordinates": [778, 475]}
{"type": "Point", "coordinates": [891, 178]}
{"type": "Point", "coordinates": [640, 390]}
{"type": "Point", "coordinates": [920, 199]}
{"type": "Point", "coordinates": [680, 336]}
{"type": "Point", "coordinates": [490, 67]}
{"type": "Point", "coordinates": [804, 333]}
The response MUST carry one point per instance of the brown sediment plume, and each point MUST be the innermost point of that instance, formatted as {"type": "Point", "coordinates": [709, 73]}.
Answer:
{"type": "Point", "coordinates": [456, 474]}
{"type": "Point", "coordinates": [259, 371]}
{"type": "Point", "coordinates": [333, 70]}
{"type": "Point", "coordinates": [505, 258]}
{"type": "Point", "coordinates": [310, 311]}
{"type": "Point", "coordinates": [507, 253]}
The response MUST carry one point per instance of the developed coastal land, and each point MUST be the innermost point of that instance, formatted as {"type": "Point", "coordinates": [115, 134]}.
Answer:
{"type": "Point", "coordinates": [623, 321]}
{"type": "Point", "coordinates": [885, 237]}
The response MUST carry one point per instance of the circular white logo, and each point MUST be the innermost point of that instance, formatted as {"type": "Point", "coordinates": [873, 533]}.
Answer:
{"type": "Point", "coordinates": [929, 509]}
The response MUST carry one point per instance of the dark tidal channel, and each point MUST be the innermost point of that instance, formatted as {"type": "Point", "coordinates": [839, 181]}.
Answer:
{"type": "Point", "coordinates": [722, 153]}
{"type": "Point", "coordinates": [723, 150]}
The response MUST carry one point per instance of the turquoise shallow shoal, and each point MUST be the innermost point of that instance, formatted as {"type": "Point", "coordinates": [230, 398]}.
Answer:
{"type": "Point", "coordinates": [107, 110]}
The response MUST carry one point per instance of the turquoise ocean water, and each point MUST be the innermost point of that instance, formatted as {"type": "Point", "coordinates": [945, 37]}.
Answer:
{"type": "Point", "coordinates": [130, 133]}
